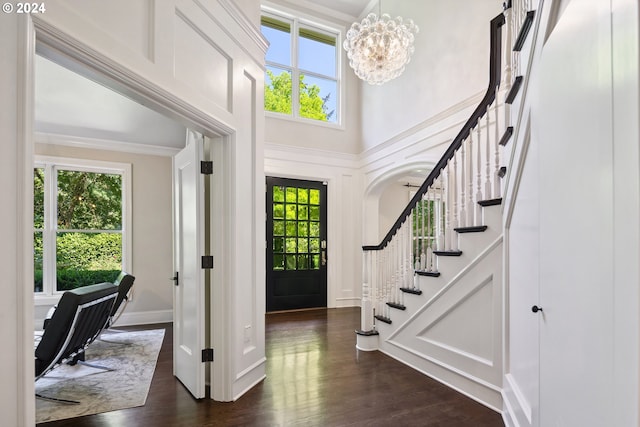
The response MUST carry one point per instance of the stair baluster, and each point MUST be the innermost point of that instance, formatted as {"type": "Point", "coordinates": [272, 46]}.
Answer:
{"type": "Point", "coordinates": [487, 182]}
{"type": "Point", "coordinates": [471, 206]}
{"type": "Point", "coordinates": [479, 171]}
{"type": "Point", "coordinates": [496, 145]}
{"type": "Point", "coordinates": [430, 235]}
{"type": "Point", "coordinates": [463, 183]}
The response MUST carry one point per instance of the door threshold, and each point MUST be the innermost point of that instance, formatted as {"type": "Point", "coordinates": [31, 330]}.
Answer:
{"type": "Point", "coordinates": [293, 310]}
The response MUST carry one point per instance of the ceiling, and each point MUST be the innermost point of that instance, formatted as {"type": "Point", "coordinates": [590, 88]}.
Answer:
{"type": "Point", "coordinates": [348, 7]}
{"type": "Point", "coordinates": [68, 104]}
{"type": "Point", "coordinates": [345, 10]}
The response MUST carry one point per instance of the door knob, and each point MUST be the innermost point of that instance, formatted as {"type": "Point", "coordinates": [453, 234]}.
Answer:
{"type": "Point", "coordinates": [536, 309]}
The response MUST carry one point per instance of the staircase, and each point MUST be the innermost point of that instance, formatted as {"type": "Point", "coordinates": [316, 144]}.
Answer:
{"type": "Point", "coordinates": [432, 293]}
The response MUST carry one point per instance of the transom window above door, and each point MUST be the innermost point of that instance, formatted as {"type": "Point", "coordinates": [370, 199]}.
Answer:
{"type": "Point", "coordinates": [306, 53]}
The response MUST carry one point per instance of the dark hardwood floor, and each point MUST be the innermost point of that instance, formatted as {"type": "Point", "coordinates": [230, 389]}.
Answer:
{"type": "Point", "coordinates": [315, 377]}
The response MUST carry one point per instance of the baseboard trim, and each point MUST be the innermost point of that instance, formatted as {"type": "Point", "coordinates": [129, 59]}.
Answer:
{"type": "Point", "coordinates": [249, 378]}
{"type": "Point", "coordinates": [515, 404]}
{"type": "Point", "coordinates": [347, 302]}
{"type": "Point", "coordinates": [492, 389]}
{"type": "Point", "coordinates": [145, 318]}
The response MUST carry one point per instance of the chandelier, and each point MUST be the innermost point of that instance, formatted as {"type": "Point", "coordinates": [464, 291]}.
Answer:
{"type": "Point", "coordinates": [379, 49]}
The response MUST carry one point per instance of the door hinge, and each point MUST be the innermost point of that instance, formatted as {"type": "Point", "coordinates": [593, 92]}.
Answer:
{"type": "Point", "coordinates": [206, 167]}
{"type": "Point", "coordinates": [207, 261]}
{"type": "Point", "coordinates": [207, 355]}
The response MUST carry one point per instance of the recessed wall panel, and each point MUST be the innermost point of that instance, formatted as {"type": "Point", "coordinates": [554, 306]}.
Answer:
{"type": "Point", "coordinates": [195, 52]}
{"type": "Point", "coordinates": [467, 328]}
{"type": "Point", "coordinates": [129, 22]}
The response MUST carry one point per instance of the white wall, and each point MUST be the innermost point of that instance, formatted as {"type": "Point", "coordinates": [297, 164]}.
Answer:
{"type": "Point", "coordinates": [392, 202]}
{"type": "Point", "coordinates": [450, 65]}
{"type": "Point", "coordinates": [151, 232]}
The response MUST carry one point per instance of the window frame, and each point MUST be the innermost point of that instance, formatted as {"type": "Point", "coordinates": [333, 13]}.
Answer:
{"type": "Point", "coordinates": [51, 165]}
{"type": "Point", "coordinates": [298, 22]}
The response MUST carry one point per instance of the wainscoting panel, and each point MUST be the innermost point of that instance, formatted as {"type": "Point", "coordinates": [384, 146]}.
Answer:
{"type": "Point", "coordinates": [196, 50]}
{"type": "Point", "coordinates": [455, 334]}
{"type": "Point", "coordinates": [128, 22]}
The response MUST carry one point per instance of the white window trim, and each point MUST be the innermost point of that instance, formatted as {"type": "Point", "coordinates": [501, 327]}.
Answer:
{"type": "Point", "coordinates": [49, 296]}
{"type": "Point", "coordinates": [298, 20]}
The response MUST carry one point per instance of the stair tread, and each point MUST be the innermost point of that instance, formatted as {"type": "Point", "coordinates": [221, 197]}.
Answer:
{"type": "Point", "coordinates": [524, 31]}
{"type": "Point", "coordinates": [507, 136]}
{"type": "Point", "coordinates": [515, 88]}
{"type": "Point", "coordinates": [413, 291]}
{"type": "Point", "coordinates": [396, 305]}
{"type": "Point", "coordinates": [472, 229]}
{"type": "Point", "coordinates": [427, 273]}
{"type": "Point", "coordinates": [502, 172]}
{"type": "Point", "coordinates": [490, 202]}
{"type": "Point", "coordinates": [447, 253]}
{"type": "Point", "coordinates": [367, 333]}
{"type": "Point", "coordinates": [383, 319]}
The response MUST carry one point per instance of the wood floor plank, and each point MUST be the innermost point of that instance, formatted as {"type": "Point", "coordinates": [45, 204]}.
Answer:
{"type": "Point", "coordinates": [315, 377]}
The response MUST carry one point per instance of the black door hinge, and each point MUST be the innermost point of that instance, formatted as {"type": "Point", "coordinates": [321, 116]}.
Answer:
{"type": "Point", "coordinates": [207, 355]}
{"type": "Point", "coordinates": [207, 261]}
{"type": "Point", "coordinates": [206, 167]}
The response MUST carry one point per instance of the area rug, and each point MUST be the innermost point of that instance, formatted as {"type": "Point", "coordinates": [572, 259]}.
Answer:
{"type": "Point", "coordinates": [131, 355]}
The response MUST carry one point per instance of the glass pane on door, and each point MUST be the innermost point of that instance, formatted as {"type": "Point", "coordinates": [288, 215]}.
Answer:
{"type": "Point", "coordinates": [300, 249]}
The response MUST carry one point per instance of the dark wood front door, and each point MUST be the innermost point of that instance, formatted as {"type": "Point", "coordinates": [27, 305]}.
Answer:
{"type": "Point", "coordinates": [296, 244]}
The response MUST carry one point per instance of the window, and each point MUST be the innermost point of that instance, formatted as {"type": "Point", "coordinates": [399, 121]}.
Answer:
{"type": "Point", "coordinates": [296, 228]}
{"type": "Point", "coordinates": [426, 227]}
{"type": "Point", "coordinates": [81, 223]}
{"type": "Point", "coordinates": [306, 53]}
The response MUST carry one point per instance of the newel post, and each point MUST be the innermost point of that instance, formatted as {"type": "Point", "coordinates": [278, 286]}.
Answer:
{"type": "Point", "coordinates": [366, 313]}
{"type": "Point", "coordinates": [367, 336]}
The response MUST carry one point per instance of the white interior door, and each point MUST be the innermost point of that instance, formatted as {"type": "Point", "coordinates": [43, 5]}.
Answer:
{"type": "Point", "coordinates": [189, 295]}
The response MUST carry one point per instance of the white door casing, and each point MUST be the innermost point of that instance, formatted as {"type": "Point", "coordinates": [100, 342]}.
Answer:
{"type": "Point", "coordinates": [189, 293]}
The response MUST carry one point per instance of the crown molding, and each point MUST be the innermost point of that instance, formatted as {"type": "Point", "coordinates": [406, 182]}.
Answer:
{"type": "Point", "coordinates": [281, 152]}
{"type": "Point", "coordinates": [105, 144]}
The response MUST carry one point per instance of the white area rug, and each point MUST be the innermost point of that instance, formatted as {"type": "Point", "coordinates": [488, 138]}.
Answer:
{"type": "Point", "coordinates": [133, 357]}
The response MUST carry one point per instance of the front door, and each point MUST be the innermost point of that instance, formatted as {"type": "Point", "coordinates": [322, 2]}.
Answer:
{"type": "Point", "coordinates": [296, 244]}
{"type": "Point", "coordinates": [189, 297]}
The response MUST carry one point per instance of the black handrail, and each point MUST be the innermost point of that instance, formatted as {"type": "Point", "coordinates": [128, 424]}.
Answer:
{"type": "Point", "coordinates": [495, 61]}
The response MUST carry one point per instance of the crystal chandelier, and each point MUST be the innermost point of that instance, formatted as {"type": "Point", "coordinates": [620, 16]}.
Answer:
{"type": "Point", "coordinates": [379, 49]}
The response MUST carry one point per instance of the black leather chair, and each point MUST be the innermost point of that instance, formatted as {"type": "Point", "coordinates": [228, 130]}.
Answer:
{"type": "Point", "coordinates": [124, 282]}
{"type": "Point", "coordinates": [78, 320]}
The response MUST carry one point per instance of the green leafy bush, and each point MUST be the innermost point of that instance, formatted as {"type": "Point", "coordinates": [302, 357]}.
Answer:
{"type": "Point", "coordinates": [82, 259]}
{"type": "Point", "coordinates": [72, 279]}
{"type": "Point", "coordinates": [101, 251]}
